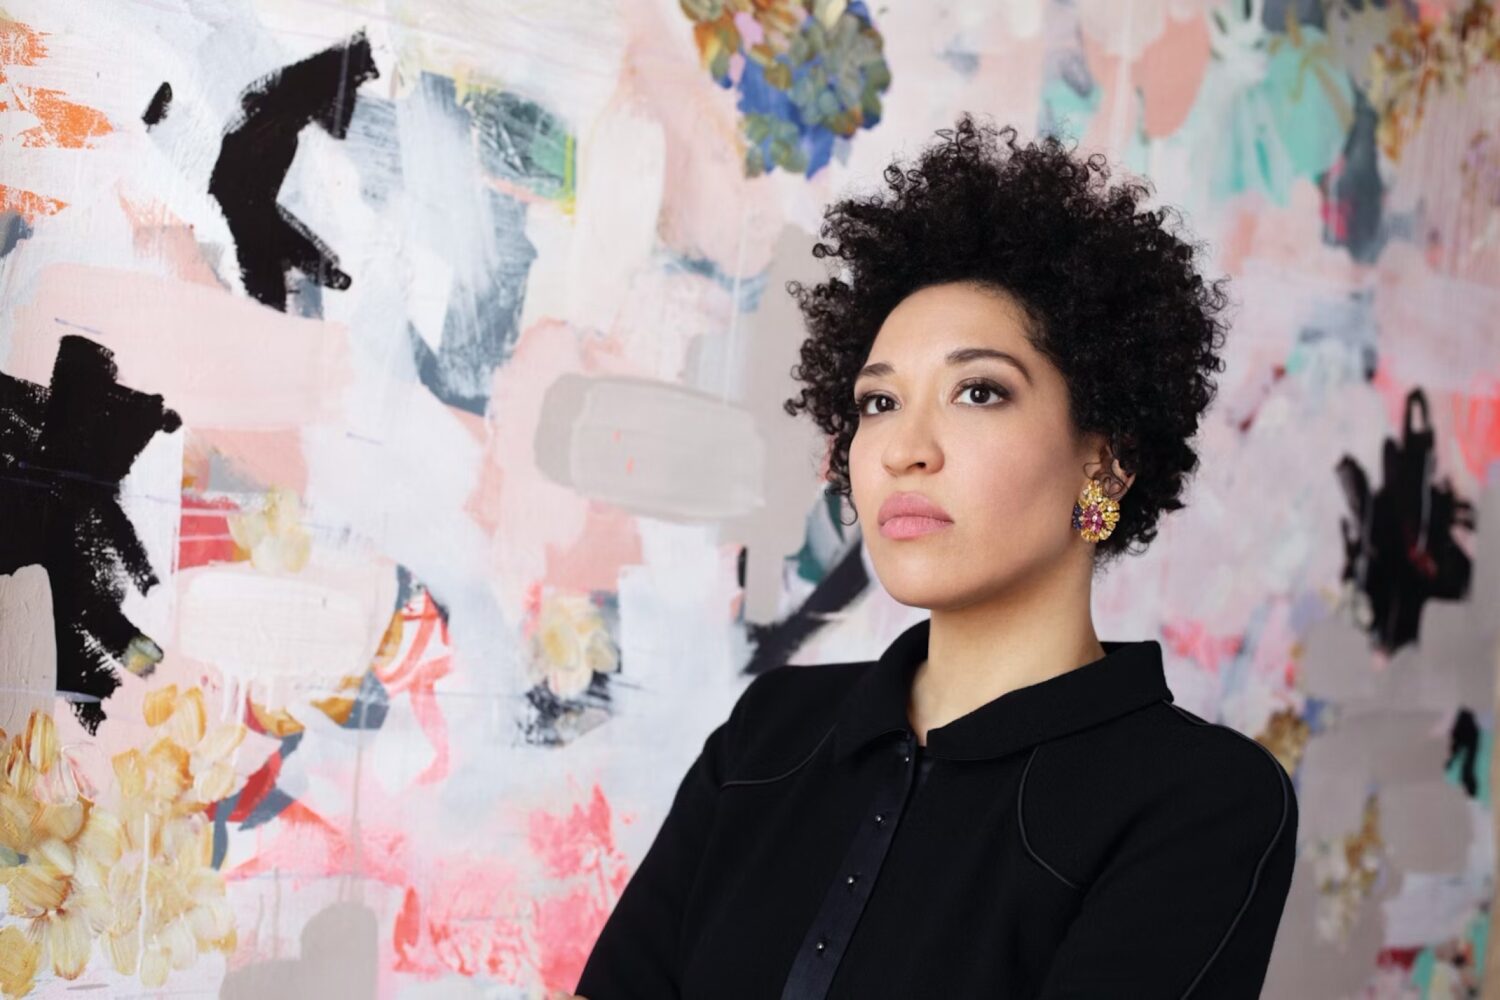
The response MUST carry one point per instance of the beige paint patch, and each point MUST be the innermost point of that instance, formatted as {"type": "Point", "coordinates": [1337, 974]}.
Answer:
{"type": "Point", "coordinates": [28, 646]}
{"type": "Point", "coordinates": [656, 449]}
{"type": "Point", "coordinates": [286, 637]}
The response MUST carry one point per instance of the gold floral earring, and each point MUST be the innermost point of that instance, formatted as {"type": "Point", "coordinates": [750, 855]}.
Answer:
{"type": "Point", "coordinates": [1095, 515]}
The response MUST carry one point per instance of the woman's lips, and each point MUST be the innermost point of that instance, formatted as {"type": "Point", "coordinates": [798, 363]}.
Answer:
{"type": "Point", "coordinates": [911, 526]}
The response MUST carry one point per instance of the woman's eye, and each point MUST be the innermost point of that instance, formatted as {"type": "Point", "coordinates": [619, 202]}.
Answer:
{"type": "Point", "coordinates": [988, 390]}
{"type": "Point", "coordinates": [989, 394]}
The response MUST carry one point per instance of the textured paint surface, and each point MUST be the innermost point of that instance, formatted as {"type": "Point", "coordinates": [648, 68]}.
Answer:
{"type": "Point", "coordinates": [394, 488]}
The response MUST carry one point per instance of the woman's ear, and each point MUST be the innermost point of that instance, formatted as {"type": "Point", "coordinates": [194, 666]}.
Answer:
{"type": "Point", "coordinates": [1104, 465]}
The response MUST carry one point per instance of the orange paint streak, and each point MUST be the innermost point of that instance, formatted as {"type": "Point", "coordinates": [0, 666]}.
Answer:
{"type": "Point", "coordinates": [61, 122]}
{"type": "Point", "coordinates": [19, 45]}
{"type": "Point", "coordinates": [28, 204]}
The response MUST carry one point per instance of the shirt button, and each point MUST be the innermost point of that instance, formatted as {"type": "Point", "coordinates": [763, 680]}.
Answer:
{"type": "Point", "coordinates": [822, 945]}
{"type": "Point", "coordinates": [851, 880]}
{"type": "Point", "coordinates": [879, 818]}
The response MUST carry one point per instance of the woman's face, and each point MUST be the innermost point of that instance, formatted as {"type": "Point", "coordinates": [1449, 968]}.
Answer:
{"type": "Point", "coordinates": [955, 404]}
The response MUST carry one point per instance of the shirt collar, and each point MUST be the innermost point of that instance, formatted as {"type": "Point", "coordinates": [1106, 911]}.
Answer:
{"type": "Point", "coordinates": [1129, 676]}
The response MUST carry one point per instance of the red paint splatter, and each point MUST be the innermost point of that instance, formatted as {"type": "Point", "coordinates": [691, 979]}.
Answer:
{"type": "Point", "coordinates": [1335, 212]}
{"type": "Point", "coordinates": [474, 916]}
{"type": "Point", "coordinates": [257, 786]}
{"type": "Point", "coordinates": [407, 934]}
{"type": "Point", "coordinates": [572, 845]}
{"type": "Point", "coordinates": [1476, 427]}
{"type": "Point", "coordinates": [1191, 639]}
{"type": "Point", "coordinates": [203, 532]}
{"type": "Point", "coordinates": [565, 928]}
{"type": "Point", "coordinates": [423, 660]}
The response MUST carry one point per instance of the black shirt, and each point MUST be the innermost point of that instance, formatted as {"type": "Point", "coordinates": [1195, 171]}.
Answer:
{"type": "Point", "coordinates": [1081, 837]}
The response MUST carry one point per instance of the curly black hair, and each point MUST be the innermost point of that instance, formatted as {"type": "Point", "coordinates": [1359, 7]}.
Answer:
{"type": "Point", "coordinates": [1111, 297]}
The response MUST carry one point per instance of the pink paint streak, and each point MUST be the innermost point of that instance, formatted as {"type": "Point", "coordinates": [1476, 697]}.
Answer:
{"type": "Point", "coordinates": [586, 543]}
{"type": "Point", "coordinates": [161, 235]}
{"type": "Point", "coordinates": [1193, 640]}
{"type": "Point", "coordinates": [479, 917]}
{"type": "Point", "coordinates": [1476, 427]}
{"type": "Point", "coordinates": [1167, 73]}
{"type": "Point", "coordinates": [423, 659]}
{"type": "Point", "coordinates": [220, 360]}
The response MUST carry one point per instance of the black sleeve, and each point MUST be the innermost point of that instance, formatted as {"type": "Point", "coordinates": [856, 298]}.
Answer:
{"type": "Point", "coordinates": [1190, 904]}
{"type": "Point", "coordinates": [636, 953]}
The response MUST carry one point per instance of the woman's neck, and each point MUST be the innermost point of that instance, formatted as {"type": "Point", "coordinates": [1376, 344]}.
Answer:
{"type": "Point", "coordinates": [977, 654]}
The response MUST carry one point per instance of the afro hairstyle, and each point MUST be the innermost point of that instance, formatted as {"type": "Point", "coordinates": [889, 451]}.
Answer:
{"type": "Point", "coordinates": [1111, 297]}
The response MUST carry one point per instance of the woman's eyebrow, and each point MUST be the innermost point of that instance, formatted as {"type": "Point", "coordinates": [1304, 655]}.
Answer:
{"type": "Point", "coordinates": [959, 356]}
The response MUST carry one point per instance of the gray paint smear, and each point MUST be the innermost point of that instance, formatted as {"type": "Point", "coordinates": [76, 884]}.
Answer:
{"type": "Point", "coordinates": [28, 646]}
{"type": "Point", "coordinates": [769, 342]}
{"type": "Point", "coordinates": [1359, 186]}
{"type": "Point", "coordinates": [438, 152]}
{"type": "Point", "coordinates": [13, 229]}
{"type": "Point", "coordinates": [483, 319]}
{"type": "Point", "coordinates": [651, 448]}
{"type": "Point", "coordinates": [747, 290]}
{"type": "Point", "coordinates": [372, 146]}
{"type": "Point", "coordinates": [340, 950]}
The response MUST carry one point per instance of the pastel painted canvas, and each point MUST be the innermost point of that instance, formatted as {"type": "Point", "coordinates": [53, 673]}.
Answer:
{"type": "Point", "coordinates": [395, 488]}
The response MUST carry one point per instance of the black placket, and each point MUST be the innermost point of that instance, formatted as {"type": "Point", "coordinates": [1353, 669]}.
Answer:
{"type": "Point", "coordinates": [828, 937]}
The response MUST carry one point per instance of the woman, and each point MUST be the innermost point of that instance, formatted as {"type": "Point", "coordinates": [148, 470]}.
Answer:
{"type": "Point", "coordinates": [1010, 367]}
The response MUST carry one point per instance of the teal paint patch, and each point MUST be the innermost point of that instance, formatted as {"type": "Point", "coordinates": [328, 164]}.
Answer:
{"type": "Point", "coordinates": [522, 141]}
{"type": "Point", "coordinates": [1310, 99]}
{"type": "Point", "coordinates": [1066, 111]}
{"type": "Point", "coordinates": [1288, 124]}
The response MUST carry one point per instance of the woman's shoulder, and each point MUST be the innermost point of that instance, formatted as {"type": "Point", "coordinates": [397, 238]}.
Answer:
{"type": "Point", "coordinates": [1161, 774]}
{"type": "Point", "coordinates": [785, 713]}
{"type": "Point", "coordinates": [1165, 754]}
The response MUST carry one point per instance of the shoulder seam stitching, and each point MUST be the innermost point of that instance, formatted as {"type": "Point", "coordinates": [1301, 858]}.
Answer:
{"type": "Point", "coordinates": [1021, 823]}
{"type": "Point", "coordinates": [1281, 780]}
{"type": "Point", "coordinates": [785, 774]}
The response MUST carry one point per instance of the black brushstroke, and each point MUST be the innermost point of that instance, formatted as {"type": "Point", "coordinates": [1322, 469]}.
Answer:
{"type": "Point", "coordinates": [257, 152]}
{"type": "Point", "coordinates": [1399, 547]}
{"type": "Point", "coordinates": [845, 582]}
{"type": "Point", "coordinates": [1463, 743]}
{"type": "Point", "coordinates": [161, 101]}
{"type": "Point", "coordinates": [63, 452]}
